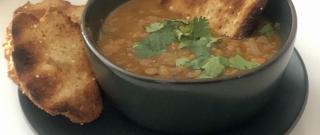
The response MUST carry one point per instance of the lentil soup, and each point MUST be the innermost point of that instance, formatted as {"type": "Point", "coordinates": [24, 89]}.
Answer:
{"type": "Point", "coordinates": [127, 32]}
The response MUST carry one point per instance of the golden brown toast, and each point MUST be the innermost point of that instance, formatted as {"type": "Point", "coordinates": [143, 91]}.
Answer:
{"type": "Point", "coordinates": [39, 9]}
{"type": "Point", "coordinates": [48, 61]}
{"type": "Point", "coordinates": [231, 18]}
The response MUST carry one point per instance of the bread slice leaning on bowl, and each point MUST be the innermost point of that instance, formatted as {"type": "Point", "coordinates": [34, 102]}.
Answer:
{"type": "Point", "coordinates": [47, 61]}
{"type": "Point", "coordinates": [231, 18]}
{"type": "Point", "coordinates": [39, 9]}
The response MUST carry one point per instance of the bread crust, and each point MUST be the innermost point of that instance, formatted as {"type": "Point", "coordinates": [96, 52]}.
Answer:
{"type": "Point", "coordinates": [39, 9]}
{"type": "Point", "coordinates": [231, 18]}
{"type": "Point", "coordinates": [47, 60]}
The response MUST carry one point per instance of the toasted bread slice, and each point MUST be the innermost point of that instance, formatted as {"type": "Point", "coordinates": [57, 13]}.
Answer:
{"type": "Point", "coordinates": [8, 55]}
{"type": "Point", "coordinates": [49, 64]}
{"type": "Point", "coordinates": [231, 18]}
{"type": "Point", "coordinates": [39, 9]}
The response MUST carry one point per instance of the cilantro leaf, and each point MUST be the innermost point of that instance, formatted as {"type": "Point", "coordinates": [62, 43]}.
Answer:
{"type": "Point", "coordinates": [224, 61]}
{"type": "Point", "coordinates": [193, 35]}
{"type": "Point", "coordinates": [196, 36]}
{"type": "Point", "coordinates": [196, 29]}
{"type": "Point", "coordinates": [197, 63]}
{"type": "Point", "coordinates": [179, 34]}
{"type": "Point", "coordinates": [181, 62]}
{"type": "Point", "coordinates": [184, 21]}
{"type": "Point", "coordinates": [143, 51]}
{"type": "Point", "coordinates": [186, 30]}
{"type": "Point", "coordinates": [154, 27]}
{"type": "Point", "coordinates": [267, 30]}
{"type": "Point", "coordinates": [240, 63]}
{"type": "Point", "coordinates": [213, 68]}
{"type": "Point", "coordinates": [200, 28]}
{"type": "Point", "coordinates": [156, 42]}
{"type": "Point", "coordinates": [201, 47]}
{"type": "Point", "coordinates": [277, 26]}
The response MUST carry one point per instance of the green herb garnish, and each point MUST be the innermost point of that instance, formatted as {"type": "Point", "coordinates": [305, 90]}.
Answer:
{"type": "Point", "coordinates": [277, 26]}
{"type": "Point", "coordinates": [181, 62]}
{"type": "Point", "coordinates": [240, 63]}
{"type": "Point", "coordinates": [200, 47]}
{"type": "Point", "coordinates": [197, 28]}
{"type": "Point", "coordinates": [210, 66]}
{"type": "Point", "coordinates": [213, 68]}
{"type": "Point", "coordinates": [196, 37]}
{"type": "Point", "coordinates": [197, 63]}
{"type": "Point", "coordinates": [193, 35]}
{"type": "Point", "coordinates": [268, 29]}
{"type": "Point", "coordinates": [154, 27]}
{"type": "Point", "coordinates": [160, 37]}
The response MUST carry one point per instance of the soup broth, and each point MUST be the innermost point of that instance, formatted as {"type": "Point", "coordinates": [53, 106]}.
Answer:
{"type": "Point", "coordinates": [127, 25]}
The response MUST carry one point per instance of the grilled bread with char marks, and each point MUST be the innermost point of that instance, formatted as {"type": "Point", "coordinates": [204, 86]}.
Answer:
{"type": "Point", "coordinates": [39, 9]}
{"type": "Point", "coordinates": [231, 18]}
{"type": "Point", "coordinates": [47, 61]}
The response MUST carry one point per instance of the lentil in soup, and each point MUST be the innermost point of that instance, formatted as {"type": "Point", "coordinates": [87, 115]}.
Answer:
{"type": "Point", "coordinates": [145, 38]}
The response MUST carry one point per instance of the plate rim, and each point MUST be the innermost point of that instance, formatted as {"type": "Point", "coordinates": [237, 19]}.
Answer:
{"type": "Point", "coordinates": [306, 97]}
{"type": "Point", "coordinates": [287, 130]}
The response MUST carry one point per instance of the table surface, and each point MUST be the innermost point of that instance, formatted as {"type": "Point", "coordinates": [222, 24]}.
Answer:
{"type": "Point", "coordinates": [307, 42]}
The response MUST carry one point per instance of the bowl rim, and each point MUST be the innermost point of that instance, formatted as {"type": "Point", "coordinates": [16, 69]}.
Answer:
{"type": "Point", "coordinates": [92, 48]}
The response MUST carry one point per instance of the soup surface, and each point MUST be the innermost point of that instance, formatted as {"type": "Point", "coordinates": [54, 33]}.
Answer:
{"type": "Point", "coordinates": [139, 22]}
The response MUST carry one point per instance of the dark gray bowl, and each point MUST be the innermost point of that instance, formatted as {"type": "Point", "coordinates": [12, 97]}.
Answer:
{"type": "Point", "coordinates": [194, 106]}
